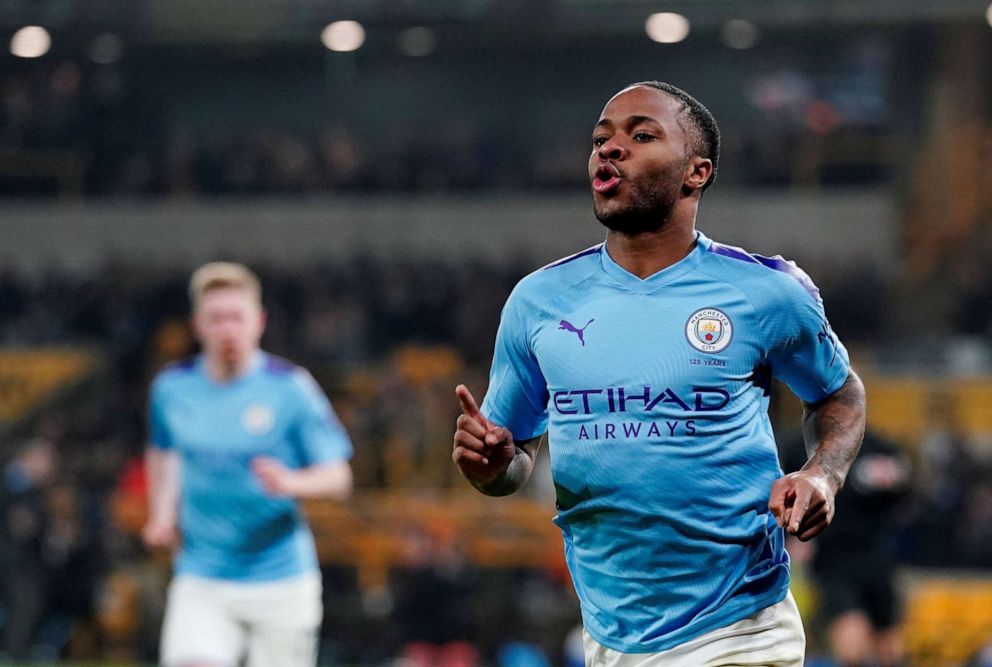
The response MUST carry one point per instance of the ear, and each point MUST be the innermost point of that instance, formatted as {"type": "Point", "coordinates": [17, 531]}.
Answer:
{"type": "Point", "coordinates": [263, 319]}
{"type": "Point", "coordinates": [697, 173]}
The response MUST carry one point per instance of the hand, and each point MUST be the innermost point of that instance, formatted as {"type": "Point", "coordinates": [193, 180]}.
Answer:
{"type": "Point", "coordinates": [803, 503]}
{"type": "Point", "coordinates": [482, 450]}
{"type": "Point", "coordinates": [274, 476]}
{"type": "Point", "coordinates": [160, 534]}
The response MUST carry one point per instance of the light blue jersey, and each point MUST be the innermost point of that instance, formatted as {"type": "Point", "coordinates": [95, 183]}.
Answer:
{"type": "Point", "coordinates": [655, 394]}
{"type": "Point", "coordinates": [231, 528]}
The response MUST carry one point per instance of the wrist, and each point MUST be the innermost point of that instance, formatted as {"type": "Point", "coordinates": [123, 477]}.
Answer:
{"type": "Point", "coordinates": [502, 484]}
{"type": "Point", "coordinates": [293, 484]}
{"type": "Point", "coordinates": [834, 479]}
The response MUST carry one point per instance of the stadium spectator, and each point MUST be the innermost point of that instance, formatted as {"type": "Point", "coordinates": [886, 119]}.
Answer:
{"type": "Point", "coordinates": [24, 526]}
{"type": "Point", "coordinates": [72, 559]}
{"type": "Point", "coordinates": [854, 562]}
{"type": "Point", "coordinates": [430, 601]}
{"type": "Point", "coordinates": [237, 437]}
{"type": "Point", "coordinates": [944, 482]}
{"type": "Point", "coordinates": [651, 356]}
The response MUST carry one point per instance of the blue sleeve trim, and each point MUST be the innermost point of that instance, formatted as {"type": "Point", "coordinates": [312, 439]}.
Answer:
{"type": "Point", "coordinates": [278, 365]}
{"type": "Point", "coordinates": [571, 258]}
{"type": "Point", "coordinates": [776, 263]}
{"type": "Point", "coordinates": [180, 366]}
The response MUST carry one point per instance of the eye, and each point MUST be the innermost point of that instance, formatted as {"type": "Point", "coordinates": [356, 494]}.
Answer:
{"type": "Point", "coordinates": [598, 141]}
{"type": "Point", "coordinates": [643, 137]}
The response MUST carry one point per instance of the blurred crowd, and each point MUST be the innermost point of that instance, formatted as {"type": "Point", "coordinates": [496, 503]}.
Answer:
{"type": "Point", "coordinates": [72, 129]}
{"type": "Point", "coordinates": [64, 130]}
{"type": "Point", "coordinates": [68, 131]}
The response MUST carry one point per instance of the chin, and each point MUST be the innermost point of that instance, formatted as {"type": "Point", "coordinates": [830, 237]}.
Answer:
{"type": "Point", "coordinates": [630, 223]}
{"type": "Point", "coordinates": [607, 210]}
{"type": "Point", "coordinates": [230, 360]}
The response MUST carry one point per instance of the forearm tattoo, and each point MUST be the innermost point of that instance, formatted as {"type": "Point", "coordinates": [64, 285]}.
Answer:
{"type": "Point", "coordinates": [833, 429]}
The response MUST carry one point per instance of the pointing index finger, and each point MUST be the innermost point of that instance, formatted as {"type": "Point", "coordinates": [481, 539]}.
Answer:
{"type": "Point", "coordinates": [469, 406]}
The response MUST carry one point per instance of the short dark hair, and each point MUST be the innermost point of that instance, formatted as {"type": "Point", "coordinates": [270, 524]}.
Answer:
{"type": "Point", "coordinates": [703, 131]}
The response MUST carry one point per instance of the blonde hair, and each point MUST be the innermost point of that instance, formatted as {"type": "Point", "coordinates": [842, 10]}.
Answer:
{"type": "Point", "coordinates": [217, 275]}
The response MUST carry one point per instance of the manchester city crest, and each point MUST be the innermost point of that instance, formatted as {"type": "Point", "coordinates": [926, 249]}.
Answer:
{"type": "Point", "coordinates": [258, 419]}
{"type": "Point", "coordinates": [709, 330]}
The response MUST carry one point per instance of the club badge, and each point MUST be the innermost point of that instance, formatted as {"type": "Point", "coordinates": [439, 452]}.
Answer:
{"type": "Point", "coordinates": [258, 419]}
{"type": "Point", "coordinates": [709, 330]}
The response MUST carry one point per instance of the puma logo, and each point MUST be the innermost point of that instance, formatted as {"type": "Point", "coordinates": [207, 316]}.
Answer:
{"type": "Point", "coordinates": [568, 326]}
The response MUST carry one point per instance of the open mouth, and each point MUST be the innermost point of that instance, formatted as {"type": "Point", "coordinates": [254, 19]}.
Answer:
{"type": "Point", "coordinates": [607, 179]}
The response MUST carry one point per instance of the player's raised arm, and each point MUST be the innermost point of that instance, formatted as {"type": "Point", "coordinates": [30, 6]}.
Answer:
{"type": "Point", "coordinates": [833, 428]}
{"type": "Point", "coordinates": [486, 454]}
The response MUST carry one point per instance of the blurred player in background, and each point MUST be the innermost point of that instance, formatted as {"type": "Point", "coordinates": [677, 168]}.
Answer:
{"type": "Point", "coordinates": [854, 562]}
{"type": "Point", "coordinates": [237, 436]}
{"type": "Point", "coordinates": [649, 360]}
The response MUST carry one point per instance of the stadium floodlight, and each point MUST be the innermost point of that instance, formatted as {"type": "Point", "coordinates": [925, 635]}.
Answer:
{"type": "Point", "coordinates": [667, 27]}
{"type": "Point", "coordinates": [343, 36]}
{"type": "Point", "coordinates": [417, 41]}
{"type": "Point", "coordinates": [31, 41]}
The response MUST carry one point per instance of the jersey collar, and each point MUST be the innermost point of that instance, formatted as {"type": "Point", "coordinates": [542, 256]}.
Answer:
{"type": "Point", "coordinates": [258, 361]}
{"type": "Point", "coordinates": [663, 277]}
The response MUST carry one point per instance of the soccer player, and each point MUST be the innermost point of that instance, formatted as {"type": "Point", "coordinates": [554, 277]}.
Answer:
{"type": "Point", "coordinates": [25, 526]}
{"type": "Point", "coordinates": [237, 436]}
{"type": "Point", "coordinates": [854, 563]}
{"type": "Point", "coordinates": [648, 359]}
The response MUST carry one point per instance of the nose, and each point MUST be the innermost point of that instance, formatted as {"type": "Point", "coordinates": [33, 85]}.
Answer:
{"type": "Point", "coordinates": [612, 150]}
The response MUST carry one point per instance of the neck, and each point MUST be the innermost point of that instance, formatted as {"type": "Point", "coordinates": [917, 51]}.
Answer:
{"type": "Point", "coordinates": [221, 371]}
{"type": "Point", "coordinates": [649, 252]}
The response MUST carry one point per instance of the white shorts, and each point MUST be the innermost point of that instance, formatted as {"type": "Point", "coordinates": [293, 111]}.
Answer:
{"type": "Point", "coordinates": [217, 622]}
{"type": "Point", "coordinates": [773, 637]}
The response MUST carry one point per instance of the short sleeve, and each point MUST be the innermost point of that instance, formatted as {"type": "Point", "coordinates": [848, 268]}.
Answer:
{"type": "Point", "coordinates": [321, 437]}
{"type": "Point", "coordinates": [809, 358]}
{"type": "Point", "coordinates": [517, 398]}
{"type": "Point", "coordinates": [159, 435]}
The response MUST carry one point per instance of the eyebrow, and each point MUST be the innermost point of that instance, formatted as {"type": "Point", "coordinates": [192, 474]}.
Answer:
{"type": "Point", "coordinates": [630, 120]}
